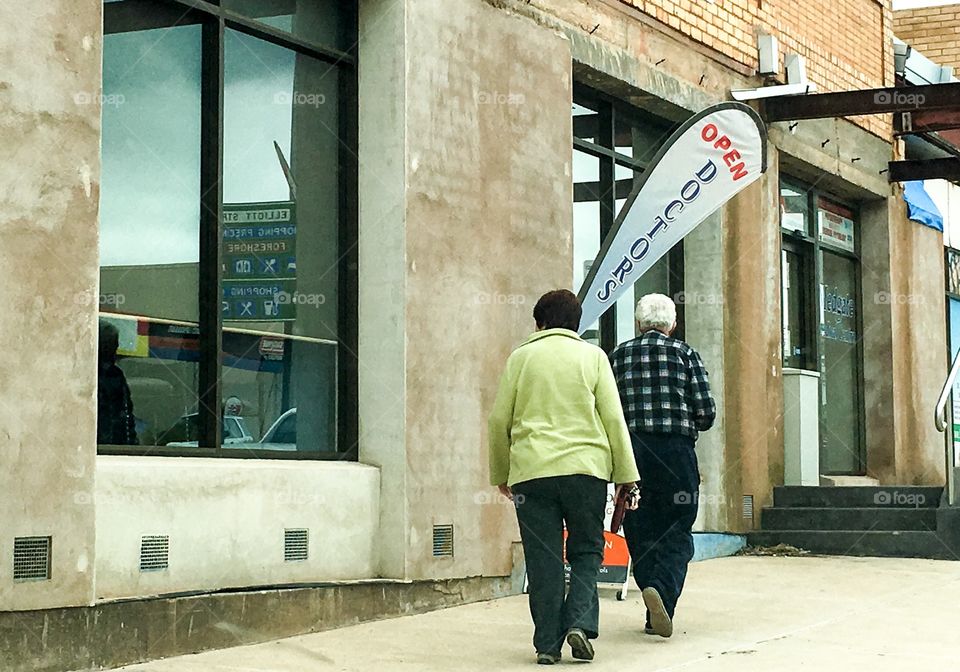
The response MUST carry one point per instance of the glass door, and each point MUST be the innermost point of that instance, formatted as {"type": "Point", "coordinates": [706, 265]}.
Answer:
{"type": "Point", "coordinates": [840, 375]}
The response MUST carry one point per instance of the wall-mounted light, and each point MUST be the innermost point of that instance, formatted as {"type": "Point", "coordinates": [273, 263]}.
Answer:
{"type": "Point", "coordinates": [769, 49]}
{"type": "Point", "coordinates": [901, 52]}
{"type": "Point", "coordinates": [796, 69]}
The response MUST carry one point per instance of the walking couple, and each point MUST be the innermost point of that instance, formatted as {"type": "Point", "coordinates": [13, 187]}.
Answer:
{"type": "Point", "coordinates": [566, 422]}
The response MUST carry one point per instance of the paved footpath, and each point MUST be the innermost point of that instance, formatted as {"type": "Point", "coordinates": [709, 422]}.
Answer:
{"type": "Point", "coordinates": [741, 613]}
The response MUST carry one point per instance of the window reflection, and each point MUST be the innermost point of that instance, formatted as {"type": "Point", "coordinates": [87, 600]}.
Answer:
{"type": "Point", "coordinates": [149, 225]}
{"type": "Point", "coordinates": [280, 247]}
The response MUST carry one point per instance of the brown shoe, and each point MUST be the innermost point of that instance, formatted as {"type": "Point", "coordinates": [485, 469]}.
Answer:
{"type": "Point", "coordinates": [660, 621]}
{"type": "Point", "coordinates": [579, 644]}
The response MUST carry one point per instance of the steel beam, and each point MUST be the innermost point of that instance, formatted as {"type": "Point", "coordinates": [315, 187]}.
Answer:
{"type": "Point", "coordinates": [928, 169]}
{"type": "Point", "coordinates": [868, 101]}
{"type": "Point", "coordinates": [926, 121]}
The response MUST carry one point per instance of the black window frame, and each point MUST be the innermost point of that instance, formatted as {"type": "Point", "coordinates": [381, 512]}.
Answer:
{"type": "Point", "coordinates": [608, 190]}
{"type": "Point", "coordinates": [137, 15]}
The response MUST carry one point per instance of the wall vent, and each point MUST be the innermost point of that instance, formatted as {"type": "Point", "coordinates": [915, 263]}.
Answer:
{"type": "Point", "coordinates": [296, 544]}
{"type": "Point", "coordinates": [748, 507]}
{"type": "Point", "coordinates": [154, 553]}
{"type": "Point", "coordinates": [31, 558]}
{"type": "Point", "coordinates": [443, 541]}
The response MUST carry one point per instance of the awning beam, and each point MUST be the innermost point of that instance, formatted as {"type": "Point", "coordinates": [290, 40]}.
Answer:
{"type": "Point", "coordinates": [927, 169]}
{"type": "Point", "coordinates": [926, 121]}
{"type": "Point", "coordinates": [928, 97]}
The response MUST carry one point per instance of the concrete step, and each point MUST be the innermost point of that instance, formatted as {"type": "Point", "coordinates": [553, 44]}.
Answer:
{"type": "Point", "coordinates": [849, 481]}
{"type": "Point", "coordinates": [909, 544]}
{"type": "Point", "coordinates": [881, 518]}
{"type": "Point", "coordinates": [886, 496]}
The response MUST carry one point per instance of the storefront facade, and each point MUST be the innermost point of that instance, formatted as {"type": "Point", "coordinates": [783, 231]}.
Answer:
{"type": "Point", "coordinates": [411, 179]}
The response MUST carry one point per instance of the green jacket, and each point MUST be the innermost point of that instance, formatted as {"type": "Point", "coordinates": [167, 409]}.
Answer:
{"type": "Point", "coordinates": [558, 413]}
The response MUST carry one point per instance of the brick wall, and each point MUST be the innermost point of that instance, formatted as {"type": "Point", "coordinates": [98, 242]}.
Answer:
{"type": "Point", "coordinates": [847, 43]}
{"type": "Point", "coordinates": [933, 31]}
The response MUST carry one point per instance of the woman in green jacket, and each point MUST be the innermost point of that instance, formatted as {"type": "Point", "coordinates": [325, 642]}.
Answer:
{"type": "Point", "coordinates": [557, 437]}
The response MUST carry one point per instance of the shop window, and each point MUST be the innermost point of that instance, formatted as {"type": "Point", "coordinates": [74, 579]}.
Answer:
{"type": "Point", "coordinates": [797, 278]}
{"type": "Point", "coordinates": [322, 22]}
{"type": "Point", "coordinates": [228, 287]}
{"type": "Point", "coordinates": [149, 234]}
{"type": "Point", "coordinates": [794, 209]}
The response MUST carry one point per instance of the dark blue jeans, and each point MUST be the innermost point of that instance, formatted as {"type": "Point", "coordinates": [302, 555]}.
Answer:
{"type": "Point", "coordinates": [543, 506]}
{"type": "Point", "coordinates": [659, 532]}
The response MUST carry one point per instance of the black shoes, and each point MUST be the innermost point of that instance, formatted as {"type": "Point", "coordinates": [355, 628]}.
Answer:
{"type": "Point", "coordinates": [579, 644]}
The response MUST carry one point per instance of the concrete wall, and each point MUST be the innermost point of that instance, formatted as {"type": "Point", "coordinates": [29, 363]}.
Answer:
{"type": "Point", "coordinates": [754, 385]}
{"type": "Point", "coordinates": [481, 103]}
{"type": "Point", "coordinates": [919, 346]}
{"type": "Point", "coordinates": [382, 284]}
{"type": "Point", "coordinates": [705, 295]}
{"type": "Point", "coordinates": [226, 520]}
{"type": "Point", "coordinates": [49, 169]}
{"type": "Point", "coordinates": [875, 247]}
{"type": "Point", "coordinates": [489, 219]}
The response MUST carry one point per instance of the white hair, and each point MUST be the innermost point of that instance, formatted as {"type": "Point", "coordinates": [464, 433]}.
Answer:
{"type": "Point", "coordinates": [656, 311]}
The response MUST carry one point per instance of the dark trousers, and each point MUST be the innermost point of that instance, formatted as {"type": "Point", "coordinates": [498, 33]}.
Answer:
{"type": "Point", "coordinates": [543, 506]}
{"type": "Point", "coordinates": [659, 532]}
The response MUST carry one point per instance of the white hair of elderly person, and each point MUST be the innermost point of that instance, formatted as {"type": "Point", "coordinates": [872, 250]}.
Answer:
{"type": "Point", "coordinates": [656, 311]}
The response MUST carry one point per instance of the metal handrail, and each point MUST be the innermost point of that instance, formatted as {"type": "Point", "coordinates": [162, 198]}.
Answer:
{"type": "Point", "coordinates": [939, 415]}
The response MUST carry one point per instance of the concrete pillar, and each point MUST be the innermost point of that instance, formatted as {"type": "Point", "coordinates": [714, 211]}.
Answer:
{"type": "Point", "coordinates": [704, 295]}
{"type": "Point", "coordinates": [465, 220]}
{"type": "Point", "coordinates": [382, 259]}
{"type": "Point", "coordinates": [50, 169]}
{"type": "Point", "coordinates": [878, 368]}
{"type": "Point", "coordinates": [754, 395]}
{"type": "Point", "coordinates": [919, 345]}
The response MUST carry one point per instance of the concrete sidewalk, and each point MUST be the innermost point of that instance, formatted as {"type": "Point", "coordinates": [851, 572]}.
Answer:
{"type": "Point", "coordinates": [741, 613]}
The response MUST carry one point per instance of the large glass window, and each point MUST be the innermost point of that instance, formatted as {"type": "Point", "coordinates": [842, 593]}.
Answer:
{"type": "Point", "coordinates": [149, 234]}
{"type": "Point", "coordinates": [228, 233]}
{"type": "Point", "coordinates": [322, 22]}
{"type": "Point", "coordinates": [613, 144]}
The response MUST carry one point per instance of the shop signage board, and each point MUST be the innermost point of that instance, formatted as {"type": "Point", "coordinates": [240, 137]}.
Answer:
{"type": "Point", "coordinates": [712, 157]}
{"type": "Point", "coordinates": [259, 261]}
{"type": "Point", "coordinates": [836, 229]}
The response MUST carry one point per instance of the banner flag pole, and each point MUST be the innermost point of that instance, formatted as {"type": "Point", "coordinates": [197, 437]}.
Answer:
{"type": "Point", "coordinates": [704, 163]}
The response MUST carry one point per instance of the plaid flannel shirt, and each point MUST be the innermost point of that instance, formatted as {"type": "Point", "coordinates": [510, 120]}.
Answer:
{"type": "Point", "coordinates": [663, 386]}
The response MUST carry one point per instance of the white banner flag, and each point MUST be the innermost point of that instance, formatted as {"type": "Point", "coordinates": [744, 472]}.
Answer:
{"type": "Point", "coordinates": [706, 162]}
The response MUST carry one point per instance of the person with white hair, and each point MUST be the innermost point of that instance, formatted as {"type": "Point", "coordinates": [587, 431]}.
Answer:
{"type": "Point", "coordinates": [666, 401]}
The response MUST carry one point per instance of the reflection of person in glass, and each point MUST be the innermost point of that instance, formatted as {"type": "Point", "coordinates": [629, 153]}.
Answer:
{"type": "Point", "coordinates": [115, 421]}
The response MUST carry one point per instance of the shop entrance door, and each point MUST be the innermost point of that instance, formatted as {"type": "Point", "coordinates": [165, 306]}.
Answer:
{"type": "Point", "coordinates": [841, 447]}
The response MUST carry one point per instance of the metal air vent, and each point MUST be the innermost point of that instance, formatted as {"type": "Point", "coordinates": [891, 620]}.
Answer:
{"type": "Point", "coordinates": [154, 553]}
{"type": "Point", "coordinates": [31, 558]}
{"type": "Point", "coordinates": [748, 507]}
{"type": "Point", "coordinates": [296, 543]}
{"type": "Point", "coordinates": [443, 541]}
